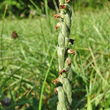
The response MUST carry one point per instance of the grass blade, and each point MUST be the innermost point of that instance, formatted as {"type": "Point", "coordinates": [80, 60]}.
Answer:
{"type": "Point", "coordinates": [43, 86]}
{"type": "Point", "coordinates": [6, 7]}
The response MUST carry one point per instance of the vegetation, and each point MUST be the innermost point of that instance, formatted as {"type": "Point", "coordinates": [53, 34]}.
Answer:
{"type": "Point", "coordinates": [25, 7]}
{"type": "Point", "coordinates": [29, 62]}
{"type": "Point", "coordinates": [64, 61]}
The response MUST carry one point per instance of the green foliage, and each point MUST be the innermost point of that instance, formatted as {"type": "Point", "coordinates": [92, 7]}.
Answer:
{"type": "Point", "coordinates": [30, 58]}
{"type": "Point", "coordinates": [64, 91]}
{"type": "Point", "coordinates": [18, 7]}
{"type": "Point", "coordinates": [90, 3]}
{"type": "Point", "coordinates": [25, 7]}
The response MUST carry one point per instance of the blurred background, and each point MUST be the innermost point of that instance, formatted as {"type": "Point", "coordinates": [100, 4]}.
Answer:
{"type": "Point", "coordinates": [28, 54]}
{"type": "Point", "coordinates": [37, 7]}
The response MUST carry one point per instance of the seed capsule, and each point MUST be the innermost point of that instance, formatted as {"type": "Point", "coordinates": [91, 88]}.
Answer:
{"type": "Point", "coordinates": [62, 99]}
{"type": "Point", "coordinates": [67, 89]}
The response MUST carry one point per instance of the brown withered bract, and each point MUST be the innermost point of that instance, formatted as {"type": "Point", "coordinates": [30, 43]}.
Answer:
{"type": "Point", "coordinates": [71, 41]}
{"type": "Point", "coordinates": [56, 81]}
{"type": "Point", "coordinates": [67, 1]}
{"type": "Point", "coordinates": [57, 26]}
{"type": "Point", "coordinates": [57, 16]}
{"type": "Point", "coordinates": [56, 91]}
{"type": "Point", "coordinates": [14, 35]}
{"type": "Point", "coordinates": [62, 71]}
{"type": "Point", "coordinates": [71, 51]}
{"type": "Point", "coordinates": [68, 61]}
{"type": "Point", "coordinates": [62, 6]}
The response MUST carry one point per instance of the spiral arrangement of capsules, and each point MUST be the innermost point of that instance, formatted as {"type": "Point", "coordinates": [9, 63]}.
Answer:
{"type": "Point", "coordinates": [64, 56]}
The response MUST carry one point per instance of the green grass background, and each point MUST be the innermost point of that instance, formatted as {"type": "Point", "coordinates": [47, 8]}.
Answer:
{"type": "Point", "coordinates": [29, 64]}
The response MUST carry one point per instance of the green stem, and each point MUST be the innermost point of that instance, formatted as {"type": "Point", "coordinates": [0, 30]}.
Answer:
{"type": "Point", "coordinates": [43, 86]}
{"type": "Point", "coordinates": [2, 34]}
{"type": "Point", "coordinates": [64, 61]}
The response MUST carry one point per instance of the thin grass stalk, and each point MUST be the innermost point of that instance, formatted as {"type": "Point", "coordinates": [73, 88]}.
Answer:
{"type": "Point", "coordinates": [6, 7]}
{"type": "Point", "coordinates": [44, 82]}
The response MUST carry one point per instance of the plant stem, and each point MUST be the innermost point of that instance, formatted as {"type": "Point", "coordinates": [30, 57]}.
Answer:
{"type": "Point", "coordinates": [64, 61]}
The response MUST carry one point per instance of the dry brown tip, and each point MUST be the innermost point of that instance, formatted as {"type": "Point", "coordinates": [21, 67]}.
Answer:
{"type": "Point", "coordinates": [56, 81]}
{"type": "Point", "coordinates": [62, 7]}
{"type": "Point", "coordinates": [67, 1]}
{"type": "Point", "coordinates": [62, 71]}
{"type": "Point", "coordinates": [57, 26]}
{"type": "Point", "coordinates": [68, 60]}
{"type": "Point", "coordinates": [56, 90]}
{"type": "Point", "coordinates": [71, 51]}
{"type": "Point", "coordinates": [57, 16]}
